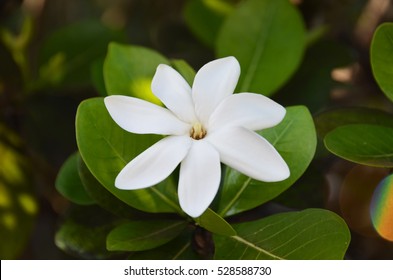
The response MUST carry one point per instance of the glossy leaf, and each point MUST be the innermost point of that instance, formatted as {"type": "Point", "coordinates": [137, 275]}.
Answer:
{"type": "Point", "coordinates": [180, 248]}
{"type": "Point", "coordinates": [309, 234]}
{"type": "Point", "coordinates": [295, 139]}
{"type": "Point", "coordinates": [69, 184]}
{"type": "Point", "coordinates": [331, 119]}
{"type": "Point", "coordinates": [268, 38]}
{"type": "Point", "coordinates": [212, 222]}
{"type": "Point", "coordinates": [128, 70]}
{"type": "Point", "coordinates": [362, 143]}
{"type": "Point", "coordinates": [382, 58]}
{"type": "Point", "coordinates": [106, 149]}
{"type": "Point", "coordinates": [143, 235]}
{"type": "Point", "coordinates": [204, 18]}
{"type": "Point", "coordinates": [66, 55]}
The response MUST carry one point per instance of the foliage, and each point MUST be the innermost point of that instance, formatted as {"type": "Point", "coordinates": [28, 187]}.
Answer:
{"type": "Point", "coordinates": [60, 151]}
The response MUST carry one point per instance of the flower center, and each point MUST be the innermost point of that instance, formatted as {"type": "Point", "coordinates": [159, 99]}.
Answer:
{"type": "Point", "coordinates": [197, 131]}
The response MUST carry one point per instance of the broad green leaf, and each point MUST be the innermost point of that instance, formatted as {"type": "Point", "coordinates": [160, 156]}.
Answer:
{"type": "Point", "coordinates": [129, 70]}
{"type": "Point", "coordinates": [106, 149]}
{"type": "Point", "coordinates": [66, 55]}
{"type": "Point", "coordinates": [143, 235]}
{"type": "Point", "coordinates": [362, 143]}
{"type": "Point", "coordinates": [103, 197]}
{"type": "Point", "coordinates": [69, 184]}
{"type": "Point", "coordinates": [214, 223]}
{"type": "Point", "coordinates": [268, 39]}
{"type": "Point", "coordinates": [184, 69]}
{"type": "Point", "coordinates": [312, 234]}
{"type": "Point", "coordinates": [180, 248]}
{"type": "Point", "coordinates": [204, 18]}
{"type": "Point", "coordinates": [382, 58]}
{"type": "Point", "coordinates": [331, 119]}
{"type": "Point", "coordinates": [295, 139]}
{"type": "Point", "coordinates": [18, 205]}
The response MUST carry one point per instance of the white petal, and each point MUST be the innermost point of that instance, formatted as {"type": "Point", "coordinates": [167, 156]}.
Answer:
{"type": "Point", "coordinates": [139, 116]}
{"type": "Point", "coordinates": [155, 164]}
{"type": "Point", "coordinates": [249, 153]}
{"type": "Point", "coordinates": [171, 88]}
{"type": "Point", "coordinates": [213, 82]}
{"type": "Point", "coordinates": [200, 175]}
{"type": "Point", "coordinates": [252, 111]}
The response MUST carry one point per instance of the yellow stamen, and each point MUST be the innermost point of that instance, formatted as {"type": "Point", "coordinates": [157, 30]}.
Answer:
{"type": "Point", "coordinates": [197, 131]}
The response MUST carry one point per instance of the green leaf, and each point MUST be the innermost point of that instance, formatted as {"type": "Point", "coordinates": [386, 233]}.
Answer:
{"type": "Point", "coordinates": [331, 119]}
{"type": "Point", "coordinates": [103, 197]}
{"type": "Point", "coordinates": [295, 139]}
{"type": "Point", "coordinates": [180, 248]}
{"type": "Point", "coordinates": [106, 149]}
{"type": "Point", "coordinates": [309, 234]}
{"type": "Point", "coordinates": [143, 235]}
{"type": "Point", "coordinates": [204, 18]}
{"type": "Point", "coordinates": [129, 70]}
{"type": "Point", "coordinates": [66, 55]}
{"type": "Point", "coordinates": [214, 223]}
{"type": "Point", "coordinates": [268, 39]}
{"type": "Point", "coordinates": [69, 184]}
{"type": "Point", "coordinates": [382, 58]}
{"type": "Point", "coordinates": [362, 143]}
{"type": "Point", "coordinates": [184, 69]}
{"type": "Point", "coordinates": [83, 234]}
{"type": "Point", "coordinates": [82, 241]}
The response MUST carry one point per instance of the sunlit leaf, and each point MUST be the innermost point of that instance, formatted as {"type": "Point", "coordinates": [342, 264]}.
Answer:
{"type": "Point", "coordinates": [69, 184]}
{"type": "Point", "coordinates": [143, 235]}
{"type": "Point", "coordinates": [295, 139]}
{"type": "Point", "coordinates": [18, 205]}
{"type": "Point", "coordinates": [129, 70]}
{"type": "Point", "coordinates": [306, 235]}
{"type": "Point", "coordinates": [382, 58]}
{"type": "Point", "coordinates": [106, 149]}
{"type": "Point", "coordinates": [362, 143]}
{"type": "Point", "coordinates": [268, 38]}
{"type": "Point", "coordinates": [212, 222]}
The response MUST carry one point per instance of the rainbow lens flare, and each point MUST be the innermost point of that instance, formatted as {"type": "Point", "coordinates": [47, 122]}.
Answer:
{"type": "Point", "coordinates": [381, 208]}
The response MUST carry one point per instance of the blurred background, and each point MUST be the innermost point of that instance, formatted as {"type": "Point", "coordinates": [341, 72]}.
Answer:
{"type": "Point", "coordinates": [51, 57]}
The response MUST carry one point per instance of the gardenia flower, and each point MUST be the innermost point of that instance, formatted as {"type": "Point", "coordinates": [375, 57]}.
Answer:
{"type": "Point", "coordinates": [206, 124]}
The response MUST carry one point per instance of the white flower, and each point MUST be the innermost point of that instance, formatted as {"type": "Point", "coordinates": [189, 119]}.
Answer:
{"type": "Point", "coordinates": [207, 124]}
